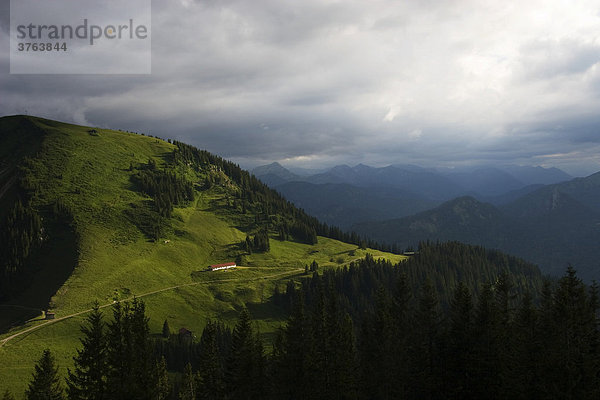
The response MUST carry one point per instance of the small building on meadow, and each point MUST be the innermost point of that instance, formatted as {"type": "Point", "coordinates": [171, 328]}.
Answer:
{"type": "Point", "coordinates": [185, 333]}
{"type": "Point", "coordinates": [50, 315]}
{"type": "Point", "coordinates": [216, 267]}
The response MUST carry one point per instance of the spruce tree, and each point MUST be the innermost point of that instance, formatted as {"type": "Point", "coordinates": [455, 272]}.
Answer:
{"type": "Point", "coordinates": [425, 338]}
{"type": "Point", "coordinates": [142, 362]}
{"type": "Point", "coordinates": [88, 379]}
{"type": "Point", "coordinates": [45, 383]}
{"type": "Point", "coordinates": [129, 355]}
{"type": "Point", "coordinates": [166, 330]}
{"type": "Point", "coordinates": [187, 390]}
{"type": "Point", "coordinates": [459, 343]}
{"type": "Point", "coordinates": [244, 364]}
{"type": "Point", "coordinates": [291, 352]}
{"type": "Point", "coordinates": [118, 376]}
{"type": "Point", "coordinates": [210, 374]}
{"type": "Point", "coordinates": [575, 333]}
{"type": "Point", "coordinates": [526, 373]}
{"type": "Point", "coordinates": [162, 387]}
{"type": "Point", "coordinates": [485, 361]}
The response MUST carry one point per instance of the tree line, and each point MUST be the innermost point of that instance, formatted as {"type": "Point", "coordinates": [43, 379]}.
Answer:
{"type": "Point", "coordinates": [167, 190]}
{"type": "Point", "coordinates": [256, 197]}
{"type": "Point", "coordinates": [495, 345]}
{"type": "Point", "coordinates": [258, 243]}
{"type": "Point", "coordinates": [21, 233]}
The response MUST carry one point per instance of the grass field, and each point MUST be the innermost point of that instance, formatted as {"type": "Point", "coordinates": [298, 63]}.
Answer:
{"type": "Point", "coordinates": [106, 256]}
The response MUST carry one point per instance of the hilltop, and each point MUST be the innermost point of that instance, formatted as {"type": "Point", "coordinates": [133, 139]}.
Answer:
{"type": "Point", "coordinates": [101, 215]}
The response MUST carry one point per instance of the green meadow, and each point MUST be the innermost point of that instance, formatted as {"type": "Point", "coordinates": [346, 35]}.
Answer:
{"type": "Point", "coordinates": [103, 256]}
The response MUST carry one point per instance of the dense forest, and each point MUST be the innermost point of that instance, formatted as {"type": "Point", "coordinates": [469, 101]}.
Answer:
{"type": "Point", "coordinates": [269, 207]}
{"type": "Point", "coordinates": [21, 233]}
{"type": "Point", "coordinates": [167, 190]}
{"type": "Point", "coordinates": [367, 331]}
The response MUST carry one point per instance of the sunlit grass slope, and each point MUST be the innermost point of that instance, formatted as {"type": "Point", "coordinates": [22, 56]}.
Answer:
{"type": "Point", "coordinates": [91, 172]}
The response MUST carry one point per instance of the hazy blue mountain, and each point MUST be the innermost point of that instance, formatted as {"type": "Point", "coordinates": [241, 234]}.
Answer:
{"type": "Point", "coordinates": [481, 182]}
{"type": "Point", "coordinates": [486, 181]}
{"type": "Point", "coordinates": [275, 172]}
{"type": "Point", "coordinates": [303, 172]}
{"type": "Point", "coordinates": [344, 205]}
{"type": "Point", "coordinates": [418, 181]}
{"type": "Point", "coordinates": [465, 219]}
{"type": "Point", "coordinates": [537, 175]}
{"type": "Point", "coordinates": [585, 190]}
{"type": "Point", "coordinates": [492, 181]}
{"type": "Point", "coordinates": [552, 226]}
{"type": "Point", "coordinates": [337, 174]}
{"type": "Point", "coordinates": [511, 196]}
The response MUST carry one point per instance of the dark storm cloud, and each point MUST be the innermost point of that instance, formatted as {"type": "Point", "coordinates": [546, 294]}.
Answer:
{"type": "Point", "coordinates": [318, 82]}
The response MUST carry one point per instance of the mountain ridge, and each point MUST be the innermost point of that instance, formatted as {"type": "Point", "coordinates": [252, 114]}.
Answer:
{"type": "Point", "coordinates": [548, 226]}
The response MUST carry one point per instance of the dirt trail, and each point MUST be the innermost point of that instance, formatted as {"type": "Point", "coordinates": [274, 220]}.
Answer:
{"type": "Point", "coordinates": [53, 321]}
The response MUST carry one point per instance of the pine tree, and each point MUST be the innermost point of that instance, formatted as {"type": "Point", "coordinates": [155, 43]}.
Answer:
{"type": "Point", "coordinates": [45, 383]}
{"type": "Point", "coordinates": [129, 355]}
{"type": "Point", "coordinates": [166, 330]}
{"type": "Point", "coordinates": [576, 329]}
{"type": "Point", "coordinates": [162, 387]}
{"type": "Point", "coordinates": [425, 338]}
{"type": "Point", "coordinates": [142, 363]}
{"type": "Point", "coordinates": [526, 373]}
{"type": "Point", "coordinates": [377, 345]}
{"type": "Point", "coordinates": [188, 385]}
{"type": "Point", "coordinates": [88, 379]}
{"type": "Point", "coordinates": [118, 359]}
{"type": "Point", "coordinates": [291, 352]}
{"type": "Point", "coordinates": [485, 349]}
{"type": "Point", "coordinates": [210, 374]}
{"type": "Point", "coordinates": [244, 364]}
{"type": "Point", "coordinates": [459, 343]}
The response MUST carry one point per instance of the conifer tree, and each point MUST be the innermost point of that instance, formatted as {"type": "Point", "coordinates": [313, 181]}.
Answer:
{"type": "Point", "coordinates": [576, 347]}
{"type": "Point", "coordinates": [485, 348]}
{"type": "Point", "coordinates": [118, 358]}
{"type": "Point", "coordinates": [129, 356]}
{"type": "Point", "coordinates": [526, 374]}
{"type": "Point", "coordinates": [291, 359]}
{"type": "Point", "coordinates": [244, 370]}
{"type": "Point", "coordinates": [459, 343]}
{"type": "Point", "coordinates": [88, 379]}
{"type": "Point", "coordinates": [142, 363]}
{"type": "Point", "coordinates": [166, 330]}
{"type": "Point", "coordinates": [188, 385]}
{"type": "Point", "coordinates": [211, 383]}
{"type": "Point", "coordinates": [425, 338]}
{"type": "Point", "coordinates": [45, 383]}
{"type": "Point", "coordinates": [162, 387]}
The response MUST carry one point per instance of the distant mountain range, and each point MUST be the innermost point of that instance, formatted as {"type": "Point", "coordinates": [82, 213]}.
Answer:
{"type": "Point", "coordinates": [541, 214]}
{"type": "Point", "coordinates": [552, 226]}
{"type": "Point", "coordinates": [344, 195]}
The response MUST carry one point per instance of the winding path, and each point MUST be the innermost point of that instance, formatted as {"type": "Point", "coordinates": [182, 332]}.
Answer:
{"type": "Point", "coordinates": [53, 321]}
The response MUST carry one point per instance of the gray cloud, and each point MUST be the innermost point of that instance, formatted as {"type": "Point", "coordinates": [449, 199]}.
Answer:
{"type": "Point", "coordinates": [315, 83]}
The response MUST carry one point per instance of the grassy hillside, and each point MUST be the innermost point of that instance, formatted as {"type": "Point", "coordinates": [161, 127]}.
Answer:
{"type": "Point", "coordinates": [99, 252]}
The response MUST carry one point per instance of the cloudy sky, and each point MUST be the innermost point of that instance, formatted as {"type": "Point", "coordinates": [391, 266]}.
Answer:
{"type": "Point", "coordinates": [315, 83]}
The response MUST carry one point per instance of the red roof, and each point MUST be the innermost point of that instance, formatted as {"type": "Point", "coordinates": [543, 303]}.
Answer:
{"type": "Point", "coordinates": [230, 264]}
